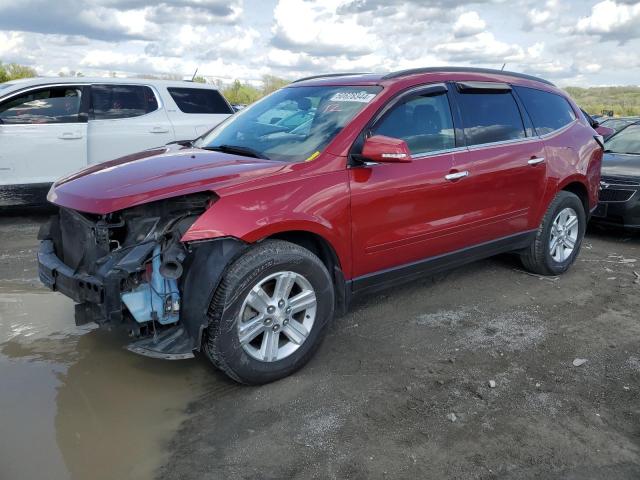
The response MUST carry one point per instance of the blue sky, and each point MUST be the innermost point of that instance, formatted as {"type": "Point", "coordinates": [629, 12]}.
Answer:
{"type": "Point", "coordinates": [571, 42]}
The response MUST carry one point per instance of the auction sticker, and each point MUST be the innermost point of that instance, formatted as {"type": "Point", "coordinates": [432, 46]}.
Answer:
{"type": "Point", "coordinates": [362, 97]}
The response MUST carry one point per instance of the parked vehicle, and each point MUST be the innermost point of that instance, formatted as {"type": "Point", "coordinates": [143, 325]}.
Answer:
{"type": "Point", "coordinates": [603, 130]}
{"type": "Point", "coordinates": [247, 243]}
{"type": "Point", "coordinates": [620, 195]}
{"type": "Point", "coordinates": [617, 124]}
{"type": "Point", "coordinates": [51, 127]}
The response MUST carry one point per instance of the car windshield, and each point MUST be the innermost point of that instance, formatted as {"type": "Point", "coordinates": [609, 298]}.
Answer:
{"type": "Point", "coordinates": [292, 124]}
{"type": "Point", "coordinates": [627, 141]}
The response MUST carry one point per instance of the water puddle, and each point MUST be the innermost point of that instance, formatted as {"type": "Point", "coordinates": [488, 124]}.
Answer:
{"type": "Point", "coordinates": [75, 404]}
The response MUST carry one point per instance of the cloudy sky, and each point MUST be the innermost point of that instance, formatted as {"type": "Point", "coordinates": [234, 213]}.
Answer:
{"type": "Point", "coordinates": [572, 42]}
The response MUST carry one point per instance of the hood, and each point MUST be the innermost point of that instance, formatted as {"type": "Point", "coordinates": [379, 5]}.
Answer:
{"type": "Point", "coordinates": [621, 165]}
{"type": "Point", "coordinates": [154, 175]}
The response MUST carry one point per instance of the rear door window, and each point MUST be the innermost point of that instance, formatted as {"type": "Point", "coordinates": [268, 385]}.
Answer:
{"type": "Point", "coordinates": [199, 100]}
{"type": "Point", "coordinates": [46, 105]}
{"type": "Point", "coordinates": [548, 111]}
{"type": "Point", "coordinates": [109, 102]}
{"type": "Point", "coordinates": [423, 122]}
{"type": "Point", "coordinates": [490, 116]}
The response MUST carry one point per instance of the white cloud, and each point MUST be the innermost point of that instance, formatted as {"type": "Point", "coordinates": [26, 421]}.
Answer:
{"type": "Point", "coordinates": [612, 20]}
{"type": "Point", "coordinates": [318, 29]}
{"type": "Point", "coordinates": [468, 24]}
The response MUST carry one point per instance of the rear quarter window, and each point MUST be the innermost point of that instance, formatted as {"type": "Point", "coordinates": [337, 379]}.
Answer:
{"type": "Point", "coordinates": [548, 111]}
{"type": "Point", "coordinates": [199, 100]}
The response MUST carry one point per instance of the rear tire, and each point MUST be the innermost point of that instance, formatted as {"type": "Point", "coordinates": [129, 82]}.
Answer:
{"type": "Point", "coordinates": [559, 237]}
{"type": "Point", "coordinates": [270, 313]}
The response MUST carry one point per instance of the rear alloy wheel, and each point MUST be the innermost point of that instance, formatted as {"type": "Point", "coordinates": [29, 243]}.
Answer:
{"type": "Point", "coordinates": [564, 235]}
{"type": "Point", "coordinates": [559, 237]}
{"type": "Point", "coordinates": [270, 313]}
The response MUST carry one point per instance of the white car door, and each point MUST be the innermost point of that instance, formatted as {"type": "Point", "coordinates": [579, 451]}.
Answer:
{"type": "Point", "coordinates": [194, 111]}
{"type": "Point", "coordinates": [125, 119]}
{"type": "Point", "coordinates": [43, 135]}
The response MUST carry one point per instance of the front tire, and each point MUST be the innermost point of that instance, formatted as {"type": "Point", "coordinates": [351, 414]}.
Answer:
{"type": "Point", "coordinates": [559, 237]}
{"type": "Point", "coordinates": [270, 313]}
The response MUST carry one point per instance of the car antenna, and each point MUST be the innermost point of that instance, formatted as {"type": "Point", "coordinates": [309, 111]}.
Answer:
{"type": "Point", "coordinates": [503, 65]}
{"type": "Point", "coordinates": [194, 75]}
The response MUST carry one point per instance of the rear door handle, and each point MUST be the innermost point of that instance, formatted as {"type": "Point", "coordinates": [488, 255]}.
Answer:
{"type": "Point", "coordinates": [456, 176]}
{"type": "Point", "coordinates": [159, 130]}
{"type": "Point", "coordinates": [535, 160]}
{"type": "Point", "coordinates": [70, 136]}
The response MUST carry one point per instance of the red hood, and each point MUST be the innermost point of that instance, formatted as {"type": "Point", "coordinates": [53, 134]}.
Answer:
{"type": "Point", "coordinates": [153, 175]}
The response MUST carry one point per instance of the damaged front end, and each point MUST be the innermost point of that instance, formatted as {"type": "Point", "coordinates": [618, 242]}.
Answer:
{"type": "Point", "coordinates": [130, 269]}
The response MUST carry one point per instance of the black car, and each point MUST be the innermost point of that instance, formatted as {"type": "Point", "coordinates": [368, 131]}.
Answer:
{"type": "Point", "coordinates": [620, 182]}
{"type": "Point", "coordinates": [618, 124]}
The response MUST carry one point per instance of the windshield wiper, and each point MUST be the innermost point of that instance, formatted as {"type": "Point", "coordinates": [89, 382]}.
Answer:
{"type": "Point", "coordinates": [244, 151]}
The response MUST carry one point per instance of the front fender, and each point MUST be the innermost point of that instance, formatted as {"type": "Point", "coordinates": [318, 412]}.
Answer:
{"type": "Point", "coordinates": [318, 204]}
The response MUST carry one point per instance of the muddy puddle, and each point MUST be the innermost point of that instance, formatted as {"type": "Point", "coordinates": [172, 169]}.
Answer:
{"type": "Point", "coordinates": [74, 404]}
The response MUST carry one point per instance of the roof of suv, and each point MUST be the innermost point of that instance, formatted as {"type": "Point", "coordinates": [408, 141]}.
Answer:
{"type": "Point", "coordinates": [373, 78]}
{"type": "Point", "coordinates": [36, 81]}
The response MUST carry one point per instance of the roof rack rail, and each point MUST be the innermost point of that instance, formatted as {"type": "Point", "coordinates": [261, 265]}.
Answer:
{"type": "Point", "coordinates": [329, 75]}
{"type": "Point", "coordinates": [414, 71]}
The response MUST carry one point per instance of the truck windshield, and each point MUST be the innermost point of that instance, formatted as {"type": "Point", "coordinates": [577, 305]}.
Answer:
{"type": "Point", "coordinates": [292, 124]}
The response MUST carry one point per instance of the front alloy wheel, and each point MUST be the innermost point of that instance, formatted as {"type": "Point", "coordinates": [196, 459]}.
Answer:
{"type": "Point", "coordinates": [270, 312]}
{"type": "Point", "coordinates": [277, 316]}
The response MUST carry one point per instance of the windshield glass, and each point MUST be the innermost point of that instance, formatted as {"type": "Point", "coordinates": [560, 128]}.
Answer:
{"type": "Point", "coordinates": [291, 124]}
{"type": "Point", "coordinates": [627, 141]}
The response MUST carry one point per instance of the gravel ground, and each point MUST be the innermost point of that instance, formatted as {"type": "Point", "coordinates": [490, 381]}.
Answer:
{"type": "Point", "coordinates": [399, 389]}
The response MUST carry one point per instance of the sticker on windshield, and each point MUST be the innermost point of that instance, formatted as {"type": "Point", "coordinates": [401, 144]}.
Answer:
{"type": "Point", "coordinates": [362, 97]}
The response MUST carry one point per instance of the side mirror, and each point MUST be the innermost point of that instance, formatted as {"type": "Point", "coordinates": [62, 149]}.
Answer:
{"type": "Point", "coordinates": [379, 148]}
{"type": "Point", "coordinates": [594, 124]}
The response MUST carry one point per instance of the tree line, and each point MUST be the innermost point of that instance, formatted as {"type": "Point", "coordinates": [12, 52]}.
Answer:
{"type": "Point", "coordinates": [595, 100]}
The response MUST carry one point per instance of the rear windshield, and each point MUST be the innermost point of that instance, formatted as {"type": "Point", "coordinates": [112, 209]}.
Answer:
{"type": "Point", "coordinates": [199, 100]}
{"type": "Point", "coordinates": [292, 124]}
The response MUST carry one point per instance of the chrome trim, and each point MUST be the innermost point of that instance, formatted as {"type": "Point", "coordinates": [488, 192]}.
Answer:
{"type": "Point", "coordinates": [560, 130]}
{"type": "Point", "coordinates": [502, 142]}
{"type": "Point", "coordinates": [456, 175]}
{"type": "Point", "coordinates": [535, 161]}
{"type": "Point", "coordinates": [433, 153]}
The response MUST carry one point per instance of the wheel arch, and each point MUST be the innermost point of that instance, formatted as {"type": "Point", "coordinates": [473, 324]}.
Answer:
{"type": "Point", "coordinates": [325, 251]}
{"type": "Point", "coordinates": [579, 189]}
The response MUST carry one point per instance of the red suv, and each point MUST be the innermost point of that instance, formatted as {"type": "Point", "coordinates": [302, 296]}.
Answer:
{"type": "Point", "coordinates": [246, 242]}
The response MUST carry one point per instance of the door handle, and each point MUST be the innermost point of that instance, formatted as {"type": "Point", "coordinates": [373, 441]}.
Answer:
{"type": "Point", "coordinates": [456, 176]}
{"type": "Point", "coordinates": [70, 136]}
{"type": "Point", "coordinates": [159, 130]}
{"type": "Point", "coordinates": [535, 160]}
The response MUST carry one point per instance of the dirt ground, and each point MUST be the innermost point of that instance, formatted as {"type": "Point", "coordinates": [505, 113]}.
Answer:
{"type": "Point", "coordinates": [399, 389]}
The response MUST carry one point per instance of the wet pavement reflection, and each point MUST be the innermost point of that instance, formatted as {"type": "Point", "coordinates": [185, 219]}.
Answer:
{"type": "Point", "coordinates": [73, 403]}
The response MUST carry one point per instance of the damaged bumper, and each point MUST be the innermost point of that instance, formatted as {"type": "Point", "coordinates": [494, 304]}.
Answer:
{"type": "Point", "coordinates": [157, 288]}
{"type": "Point", "coordinates": [100, 300]}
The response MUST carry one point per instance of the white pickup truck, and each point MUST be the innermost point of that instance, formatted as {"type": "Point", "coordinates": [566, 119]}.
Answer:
{"type": "Point", "coordinates": [51, 127]}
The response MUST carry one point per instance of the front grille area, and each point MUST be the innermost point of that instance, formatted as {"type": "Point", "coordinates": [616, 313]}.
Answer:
{"type": "Point", "coordinates": [615, 195]}
{"type": "Point", "coordinates": [633, 182]}
{"type": "Point", "coordinates": [76, 244]}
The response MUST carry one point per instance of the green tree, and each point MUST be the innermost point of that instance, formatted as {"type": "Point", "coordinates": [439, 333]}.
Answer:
{"type": "Point", "coordinates": [242, 93]}
{"type": "Point", "coordinates": [13, 71]}
{"type": "Point", "coordinates": [271, 83]}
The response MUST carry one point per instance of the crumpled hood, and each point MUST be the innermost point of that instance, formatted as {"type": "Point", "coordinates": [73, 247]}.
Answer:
{"type": "Point", "coordinates": [621, 165]}
{"type": "Point", "coordinates": [154, 175]}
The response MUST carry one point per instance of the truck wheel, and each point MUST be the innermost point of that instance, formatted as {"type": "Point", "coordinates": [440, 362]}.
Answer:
{"type": "Point", "coordinates": [559, 237]}
{"type": "Point", "coordinates": [270, 313]}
